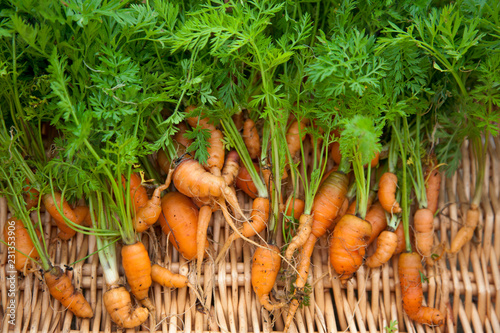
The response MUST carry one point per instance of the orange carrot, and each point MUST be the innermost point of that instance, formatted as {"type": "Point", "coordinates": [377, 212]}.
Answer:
{"type": "Point", "coordinates": [118, 303]}
{"type": "Point", "coordinates": [168, 279]}
{"type": "Point", "coordinates": [266, 263]}
{"type": "Point", "coordinates": [409, 271]}
{"type": "Point", "coordinates": [138, 193]}
{"type": "Point", "coordinates": [50, 203]}
{"type": "Point", "coordinates": [30, 195]}
{"type": "Point", "coordinates": [387, 242]}
{"type": "Point", "coordinates": [201, 235]}
{"type": "Point", "coordinates": [245, 183]}
{"type": "Point", "coordinates": [251, 138]}
{"type": "Point", "coordinates": [335, 152]}
{"type": "Point", "coordinates": [348, 245]}
{"type": "Point", "coordinates": [387, 193]}
{"type": "Point", "coordinates": [401, 239]}
{"type": "Point", "coordinates": [179, 221]}
{"type": "Point", "coordinates": [150, 212]}
{"type": "Point", "coordinates": [231, 168]}
{"type": "Point", "coordinates": [81, 216]}
{"type": "Point", "coordinates": [16, 234]}
{"type": "Point", "coordinates": [432, 186]}
{"type": "Point", "coordinates": [137, 267]}
{"type": "Point", "coordinates": [294, 206]}
{"type": "Point", "coordinates": [257, 223]}
{"type": "Point", "coordinates": [465, 233]}
{"type": "Point", "coordinates": [293, 138]}
{"type": "Point", "coordinates": [303, 232]}
{"type": "Point", "coordinates": [179, 137]}
{"type": "Point", "coordinates": [423, 221]}
{"type": "Point", "coordinates": [343, 210]}
{"type": "Point", "coordinates": [376, 217]}
{"type": "Point", "coordinates": [61, 288]}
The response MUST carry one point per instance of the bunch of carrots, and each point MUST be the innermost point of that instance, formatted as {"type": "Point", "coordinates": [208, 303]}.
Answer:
{"type": "Point", "coordinates": [168, 115]}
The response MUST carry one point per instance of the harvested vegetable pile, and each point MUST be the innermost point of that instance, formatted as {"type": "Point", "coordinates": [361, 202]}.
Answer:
{"type": "Point", "coordinates": [128, 117]}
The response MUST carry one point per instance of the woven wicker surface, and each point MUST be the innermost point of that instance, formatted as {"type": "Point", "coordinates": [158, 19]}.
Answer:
{"type": "Point", "coordinates": [465, 286]}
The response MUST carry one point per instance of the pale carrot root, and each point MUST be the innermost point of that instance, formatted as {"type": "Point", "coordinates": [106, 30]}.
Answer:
{"type": "Point", "coordinates": [201, 236]}
{"type": "Point", "coordinates": [303, 232]}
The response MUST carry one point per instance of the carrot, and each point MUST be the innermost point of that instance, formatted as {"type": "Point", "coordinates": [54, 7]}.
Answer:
{"type": "Point", "coordinates": [294, 207]}
{"type": "Point", "coordinates": [251, 138]}
{"type": "Point", "coordinates": [465, 233]}
{"type": "Point", "coordinates": [409, 271]}
{"type": "Point", "coordinates": [348, 245]}
{"type": "Point", "coordinates": [293, 139]}
{"type": "Point", "coordinates": [215, 149]}
{"type": "Point", "coordinates": [424, 231]}
{"type": "Point", "coordinates": [257, 223]}
{"type": "Point", "coordinates": [335, 152]}
{"type": "Point", "coordinates": [303, 232]}
{"type": "Point", "coordinates": [16, 234]}
{"type": "Point", "coordinates": [387, 193]}
{"type": "Point", "coordinates": [201, 235]}
{"type": "Point", "coordinates": [81, 216]}
{"type": "Point", "coordinates": [181, 139]}
{"type": "Point", "coordinates": [138, 193]}
{"type": "Point", "coordinates": [118, 303]}
{"type": "Point", "coordinates": [50, 203]}
{"type": "Point", "coordinates": [137, 267]}
{"type": "Point", "coordinates": [387, 242]}
{"type": "Point", "coordinates": [432, 187]}
{"type": "Point", "coordinates": [266, 263]}
{"type": "Point", "coordinates": [327, 202]}
{"type": "Point", "coordinates": [401, 239]}
{"type": "Point", "coordinates": [342, 211]}
{"type": "Point", "coordinates": [179, 221]}
{"type": "Point", "coordinates": [30, 195]}
{"type": "Point", "coordinates": [231, 168]}
{"type": "Point", "coordinates": [168, 279]}
{"type": "Point", "coordinates": [150, 212]}
{"type": "Point", "coordinates": [376, 217]}
{"type": "Point", "coordinates": [61, 288]}
{"type": "Point", "coordinates": [244, 181]}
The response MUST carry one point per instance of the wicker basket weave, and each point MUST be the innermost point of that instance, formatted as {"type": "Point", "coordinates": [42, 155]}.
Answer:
{"type": "Point", "coordinates": [465, 286]}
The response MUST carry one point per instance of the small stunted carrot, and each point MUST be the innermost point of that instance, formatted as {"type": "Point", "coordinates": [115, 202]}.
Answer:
{"type": "Point", "coordinates": [137, 267]}
{"type": "Point", "coordinates": [16, 233]}
{"type": "Point", "coordinates": [266, 263]}
{"type": "Point", "coordinates": [118, 303]}
{"type": "Point", "coordinates": [244, 181]}
{"type": "Point", "coordinates": [423, 222]}
{"type": "Point", "coordinates": [293, 138]}
{"type": "Point", "coordinates": [138, 193]}
{"type": "Point", "coordinates": [61, 288]}
{"type": "Point", "coordinates": [465, 233]}
{"type": "Point", "coordinates": [376, 217]}
{"type": "Point", "coordinates": [251, 138]}
{"type": "Point", "coordinates": [179, 221]}
{"type": "Point", "coordinates": [387, 242]}
{"type": "Point", "coordinates": [168, 279]}
{"type": "Point", "coordinates": [149, 213]}
{"type": "Point", "coordinates": [50, 201]}
{"type": "Point", "coordinates": [257, 223]}
{"type": "Point", "coordinates": [387, 193]}
{"type": "Point", "coordinates": [409, 270]}
{"type": "Point", "coordinates": [432, 186]}
{"type": "Point", "coordinates": [348, 245]}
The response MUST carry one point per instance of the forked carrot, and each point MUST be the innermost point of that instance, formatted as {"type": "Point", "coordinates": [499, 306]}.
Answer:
{"type": "Point", "coordinates": [61, 288]}
{"type": "Point", "coordinates": [118, 303]}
